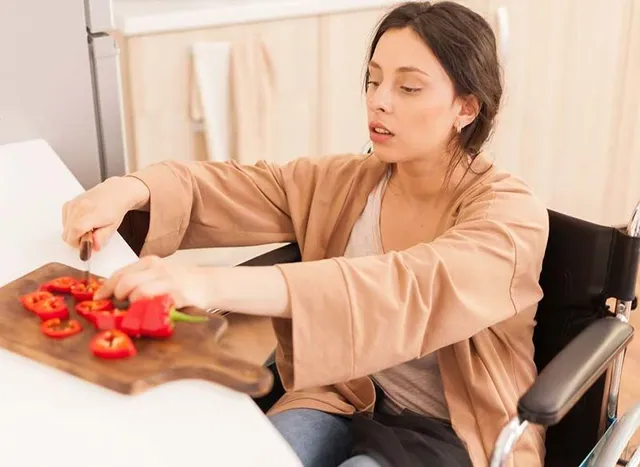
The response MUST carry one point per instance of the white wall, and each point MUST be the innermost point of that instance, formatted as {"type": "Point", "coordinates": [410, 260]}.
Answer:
{"type": "Point", "coordinates": [45, 81]}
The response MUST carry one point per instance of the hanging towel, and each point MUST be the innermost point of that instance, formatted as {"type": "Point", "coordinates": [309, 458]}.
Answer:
{"type": "Point", "coordinates": [210, 103]}
{"type": "Point", "coordinates": [233, 99]}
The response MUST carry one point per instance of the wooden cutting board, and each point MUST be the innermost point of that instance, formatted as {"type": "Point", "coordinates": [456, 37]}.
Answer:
{"type": "Point", "coordinates": [192, 352]}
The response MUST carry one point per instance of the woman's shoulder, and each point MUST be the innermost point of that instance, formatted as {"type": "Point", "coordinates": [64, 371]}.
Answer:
{"type": "Point", "coordinates": [501, 211]}
{"type": "Point", "coordinates": [496, 193]}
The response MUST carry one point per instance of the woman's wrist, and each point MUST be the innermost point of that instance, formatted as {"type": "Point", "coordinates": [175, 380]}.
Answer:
{"type": "Point", "coordinates": [136, 191]}
{"type": "Point", "coordinates": [253, 290]}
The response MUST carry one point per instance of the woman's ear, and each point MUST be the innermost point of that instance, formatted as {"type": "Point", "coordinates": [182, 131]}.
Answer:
{"type": "Point", "coordinates": [469, 110]}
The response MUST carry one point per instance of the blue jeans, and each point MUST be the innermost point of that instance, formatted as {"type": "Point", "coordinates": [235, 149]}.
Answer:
{"type": "Point", "coordinates": [319, 439]}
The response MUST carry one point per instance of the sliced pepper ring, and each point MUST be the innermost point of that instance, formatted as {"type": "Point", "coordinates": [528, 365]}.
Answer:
{"type": "Point", "coordinates": [87, 307]}
{"type": "Point", "coordinates": [59, 329]}
{"type": "Point", "coordinates": [112, 344]}
{"type": "Point", "coordinates": [59, 284]}
{"type": "Point", "coordinates": [83, 291]}
{"type": "Point", "coordinates": [52, 307]}
{"type": "Point", "coordinates": [30, 300]}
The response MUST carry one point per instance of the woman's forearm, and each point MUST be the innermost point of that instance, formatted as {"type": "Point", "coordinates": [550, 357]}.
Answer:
{"type": "Point", "coordinates": [248, 289]}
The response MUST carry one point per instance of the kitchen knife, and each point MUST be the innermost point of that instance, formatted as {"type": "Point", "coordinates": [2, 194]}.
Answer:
{"type": "Point", "coordinates": [86, 248]}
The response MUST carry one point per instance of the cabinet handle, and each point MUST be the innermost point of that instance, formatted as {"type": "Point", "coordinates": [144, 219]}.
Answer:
{"type": "Point", "coordinates": [502, 18]}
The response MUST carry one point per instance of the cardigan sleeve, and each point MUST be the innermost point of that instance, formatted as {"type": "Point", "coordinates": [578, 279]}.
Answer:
{"type": "Point", "coordinates": [352, 317]}
{"type": "Point", "coordinates": [206, 204]}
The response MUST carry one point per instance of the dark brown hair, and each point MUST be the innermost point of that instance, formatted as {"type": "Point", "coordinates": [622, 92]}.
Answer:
{"type": "Point", "coordinates": [465, 45]}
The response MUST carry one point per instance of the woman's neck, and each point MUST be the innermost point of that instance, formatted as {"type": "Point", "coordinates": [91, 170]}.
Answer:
{"type": "Point", "coordinates": [425, 179]}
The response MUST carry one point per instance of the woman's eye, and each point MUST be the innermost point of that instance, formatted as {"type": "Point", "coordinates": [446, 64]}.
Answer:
{"type": "Point", "coordinates": [372, 83]}
{"type": "Point", "coordinates": [410, 90]}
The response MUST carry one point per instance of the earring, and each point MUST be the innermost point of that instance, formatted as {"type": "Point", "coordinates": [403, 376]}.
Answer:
{"type": "Point", "coordinates": [458, 127]}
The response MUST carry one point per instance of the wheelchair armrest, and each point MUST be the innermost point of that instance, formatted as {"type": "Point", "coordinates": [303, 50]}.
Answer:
{"type": "Point", "coordinates": [135, 227]}
{"type": "Point", "coordinates": [289, 253]}
{"type": "Point", "coordinates": [573, 370]}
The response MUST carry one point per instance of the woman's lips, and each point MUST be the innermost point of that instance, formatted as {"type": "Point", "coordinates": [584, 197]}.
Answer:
{"type": "Point", "coordinates": [378, 133]}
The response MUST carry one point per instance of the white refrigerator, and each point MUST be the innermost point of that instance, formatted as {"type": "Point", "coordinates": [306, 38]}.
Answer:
{"type": "Point", "coordinates": [60, 81]}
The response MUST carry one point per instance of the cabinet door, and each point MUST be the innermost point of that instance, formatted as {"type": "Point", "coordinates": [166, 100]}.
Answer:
{"type": "Point", "coordinates": [345, 39]}
{"type": "Point", "coordinates": [157, 91]}
{"type": "Point", "coordinates": [564, 67]}
{"type": "Point", "coordinates": [159, 85]}
{"type": "Point", "coordinates": [344, 42]}
{"type": "Point", "coordinates": [294, 50]}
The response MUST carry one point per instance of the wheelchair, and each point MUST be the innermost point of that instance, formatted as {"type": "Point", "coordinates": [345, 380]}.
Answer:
{"type": "Point", "coordinates": [580, 341]}
{"type": "Point", "coordinates": [588, 277]}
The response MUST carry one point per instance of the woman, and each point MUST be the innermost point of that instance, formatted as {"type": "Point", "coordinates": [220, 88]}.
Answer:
{"type": "Point", "coordinates": [406, 332]}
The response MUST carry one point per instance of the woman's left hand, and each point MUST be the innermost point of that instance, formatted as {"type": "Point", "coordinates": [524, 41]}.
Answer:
{"type": "Point", "coordinates": [151, 276]}
{"type": "Point", "coordinates": [249, 289]}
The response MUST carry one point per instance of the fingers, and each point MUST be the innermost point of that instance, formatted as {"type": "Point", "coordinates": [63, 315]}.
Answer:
{"type": "Point", "coordinates": [76, 222]}
{"type": "Point", "coordinates": [83, 214]}
{"type": "Point", "coordinates": [151, 276]}
{"type": "Point", "coordinates": [101, 236]}
{"type": "Point", "coordinates": [128, 283]}
{"type": "Point", "coordinates": [67, 220]}
{"type": "Point", "coordinates": [126, 279]}
{"type": "Point", "coordinates": [78, 229]}
{"type": "Point", "coordinates": [65, 207]}
{"type": "Point", "coordinates": [101, 207]}
{"type": "Point", "coordinates": [151, 288]}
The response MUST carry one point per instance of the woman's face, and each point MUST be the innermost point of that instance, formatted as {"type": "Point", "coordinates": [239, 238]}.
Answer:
{"type": "Point", "coordinates": [411, 104]}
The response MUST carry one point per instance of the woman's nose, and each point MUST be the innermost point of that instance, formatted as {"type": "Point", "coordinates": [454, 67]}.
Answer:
{"type": "Point", "coordinates": [379, 100]}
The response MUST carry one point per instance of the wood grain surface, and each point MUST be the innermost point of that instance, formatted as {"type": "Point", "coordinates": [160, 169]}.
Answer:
{"type": "Point", "coordinates": [194, 350]}
{"type": "Point", "coordinates": [250, 338]}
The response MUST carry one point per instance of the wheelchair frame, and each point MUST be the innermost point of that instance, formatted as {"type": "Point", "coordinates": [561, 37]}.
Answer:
{"type": "Point", "coordinates": [617, 431]}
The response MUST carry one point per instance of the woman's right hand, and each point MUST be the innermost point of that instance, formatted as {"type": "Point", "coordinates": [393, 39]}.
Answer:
{"type": "Point", "coordinates": [101, 209]}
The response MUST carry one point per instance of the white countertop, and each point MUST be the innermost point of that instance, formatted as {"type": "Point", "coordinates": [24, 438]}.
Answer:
{"type": "Point", "coordinates": [134, 17]}
{"type": "Point", "coordinates": [50, 418]}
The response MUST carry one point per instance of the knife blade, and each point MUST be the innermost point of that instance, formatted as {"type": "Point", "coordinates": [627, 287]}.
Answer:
{"type": "Point", "coordinates": [86, 248]}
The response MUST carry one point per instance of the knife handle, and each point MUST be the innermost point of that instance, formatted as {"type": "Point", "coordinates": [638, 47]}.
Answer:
{"type": "Point", "coordinates": [86, 246]}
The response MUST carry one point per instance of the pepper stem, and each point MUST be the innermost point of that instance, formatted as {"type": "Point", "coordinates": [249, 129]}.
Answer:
{"type": "Point", "coordinates": [176, 315]}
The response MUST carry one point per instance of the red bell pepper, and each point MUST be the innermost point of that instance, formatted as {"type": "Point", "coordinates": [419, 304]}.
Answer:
{"type": "Point", "coordinates": [112, 344]}
{"type": "Point", "coordinates": [52, 307]}
{"type": "Point", "coordinates": [30, 300]}
{"type": "Point", "coordinates": [154, 317]}
{"type": "Point", "coordinates": [83, 291]}
{"type": "Point", "coordinates": [105, 320]}
{"type": "Point", "coordinates": [86, 308]}
{"type": "Point", "coordinates": [60, 284]}
{"type": "Point", "coordinates": [59, 329]}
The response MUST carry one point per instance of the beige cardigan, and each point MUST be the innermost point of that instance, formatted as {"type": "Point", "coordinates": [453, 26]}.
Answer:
{"type": "Point", "coordinates": [470, 294]}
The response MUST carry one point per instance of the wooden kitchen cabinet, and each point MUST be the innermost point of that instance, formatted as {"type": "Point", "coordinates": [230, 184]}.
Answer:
{"type": "Point", "coordinates": [294, 49]}
{"type": "Point", "coordinates": [568, 125]}
{"type": "Point", "coordinates": [344, 42]}
{"type": "Point", "coordinates": [158, 82]}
